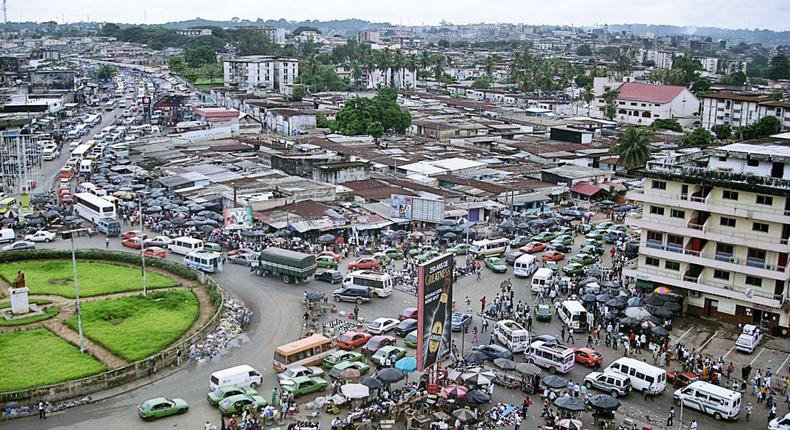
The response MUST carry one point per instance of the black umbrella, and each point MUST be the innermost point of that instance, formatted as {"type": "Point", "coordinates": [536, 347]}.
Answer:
{"type": "Point", "coordinates": [477, 397]}
{"type": "Point", "coordinates": [629, 321]}
{"type": "Point", "coordinates": [674, 307]}
{"type": "Point", "coordinates": [588, 298]}
{"type": "Point", "coordinates": [449, 236]}
{"type": "Point", "coordinates": [659, 331]}
{"type": "Point", "coordinates": [655, 299]}
{"type": "Point", "coordinates": [660, 311]}
{"type": "Point", "coordinates": [390, 375]}
{"type": "Point", "coordinates": [604, 402]}
{"type": "Point", "coordinates": [475, 357]}
{"type": "Point", "coordinates": [464, 415]}
{"type": "Point", "coordinates": [326, 238]}
{"type": "Point", "coordinates": [569, 403]}
{"type": "Point", "coordinates": [617, 302]}
{"type": "Point", "coordinates": [506, 225]}
{"type": "Point", "coordinates": [603, 298]}
{"type": "Point", "coordinates": [373, 383]}
{"type": "Point", "coordinates": [448, 222]}
{"type": "Point", "coordinates": [554, 381]}
{"type": "Point", "coordinates": [504, 363]}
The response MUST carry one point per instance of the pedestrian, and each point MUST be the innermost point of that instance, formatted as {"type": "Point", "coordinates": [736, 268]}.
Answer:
{"type": "Point", "coordinates": [671, 417]}
{"type": "Point", "coordinates": [562, 333]}
{"type": "Point", "coordinates": [771, 415]}
{"type": "Point", "coordinates": [42, 412]}
{"type": "Point", "coordinates": [468, 304]}
{"type": "Point", "coordinates": [693, 425]}
{"type": "Point", "coordinates": [571, 339]}
{"type": "Point", "coordinates": [106, 242]}
{"type": "Point", "coordinates": [356, 312]}
{"type": "Point", "coordinates": [748, 412]}
{"type": "Point", "coordinates": [474, 335]}
{"type": "Point", "coordinates": [178, 357]}
{"type": "Point", "coordinates": [484, 325]}
{"type": "Point", "coordinates": [516, 421]}
{"type": "Point", "coordinates": [482, 305]}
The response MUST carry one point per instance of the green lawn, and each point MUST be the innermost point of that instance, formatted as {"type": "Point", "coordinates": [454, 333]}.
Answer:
{"type": "Point", "coordinates": [33, 358]}
{"type": "Point", "coordinates": [136, 327]}
{"type": "Point", "coordinates": [56, 277]}
{"type": "Point", "coordinates": [48, 313]}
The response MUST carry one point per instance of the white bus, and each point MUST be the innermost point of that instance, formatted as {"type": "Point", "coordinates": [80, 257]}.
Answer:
{"type": "Point", "coordinates": [487, 248]}
{"type": "Point", "coordinates": [208, 262]}
{"type": "Point", "coordinates": [380, 284]}
{"type": "Point", "coordinates": [525, 266]}
{"type": "Point", "coordinates": [92, 208]}
{"type": "Point", "coordinates": [574, 315]}
{"type": "Point", "coordinates": [512, 335]}
{"type": "Point", "coordinates": [83, 150]}
{"type": "Point", "coordinates": [184, 245]}
{"type": "Point", "coordinates": [710, 399]}
{"type": "Point", "coordinates": [555, 358]}
{"type": "Point", "coordinates": [642, 374]}
{"type": "Point", "coordinates": [541, 279]}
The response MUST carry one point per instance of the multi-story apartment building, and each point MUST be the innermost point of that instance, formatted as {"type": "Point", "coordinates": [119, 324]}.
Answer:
{"type": "Point", "coordinates": [739, 109]}
{"type": "Point", "coordinates": [715, 228]}
{"type": "Point", "coordinates": [661, 59]}
{"type": "Point", "coordinates": [262, 71]}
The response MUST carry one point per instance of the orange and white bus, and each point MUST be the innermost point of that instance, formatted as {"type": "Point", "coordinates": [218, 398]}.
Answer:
{"type": "Point", "coordinates": [309, 351]}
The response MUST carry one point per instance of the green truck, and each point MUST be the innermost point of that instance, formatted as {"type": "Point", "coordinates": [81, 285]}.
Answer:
{"type": "Point", "coordinates": [290, 266]}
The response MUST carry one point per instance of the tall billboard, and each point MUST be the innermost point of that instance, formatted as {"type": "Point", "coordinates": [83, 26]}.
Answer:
{"type": "Point", "coordinates": [434, 310]}
{"type": "Point", "coordinates": [416, 208]}
{"type": "Point", "coordinates": [238, 218]}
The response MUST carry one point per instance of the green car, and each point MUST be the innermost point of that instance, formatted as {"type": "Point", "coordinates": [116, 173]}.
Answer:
{"type": "Point", "coordinates": [542, 312]}
{"type": "Point", "coordinates": [606, 225]}
{"type": "Point", "coordinates": [393, 254]}
{"type": "Point", "coordinates": [546, 236]}
{"type": "Point", "coordinates": [417, 251]}
{"type": "Point", "coordinates": [340, 356]}
{"type": "Point", "coordinates": [425, 256]}
{"type": "Point", "coordinates": [519, 241]}
{"type": "Point", "coordinates": [161, 407]}
{"type": "Point", "coordinates": [564, 239]}
{"type": "Point", "coordinates": [411, 339]}
{"type": "Point", "coordinates": [595, 234]}
{"type": "Point", "coordinates": [380, 357]}
{"type": "Point", "coordinates": [343, 365]}
{"type": "Point", "coordinates": [592, 250]}
{"type": "Point", "coordinates": [591, 242]}
{"type": "Point", "coordinates": [242, 402]}
{"type": "Point", "coordinates": [496, 264]}
{"type": "Point", "coordinates": [460, 249]}
{"type": "Point", "coordinates": [382, 258]}
{"type": "Point", "coordinates": [583, 259]}
{"type": "Point", "coordinates": [326, 262]}
{"type": "Point", "coordinates": [226, 391]}
{"type": "Point", "coordinates": [573, 269]}
{"type": "Point", "coordinates": [212, 247]}
{"type": "Point", "coordinates": [305, 385]}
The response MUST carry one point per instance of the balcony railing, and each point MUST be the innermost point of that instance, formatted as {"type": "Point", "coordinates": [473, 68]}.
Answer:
{"type": "Point", "coordinates": [729, 286]}
{"type": "Point", "coordinates": [675, 167]}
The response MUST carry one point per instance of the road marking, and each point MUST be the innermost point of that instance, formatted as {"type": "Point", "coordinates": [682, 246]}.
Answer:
{"type": "Point", "coordinates": [728, 352]}
{"type": "Point", "coordinates": [779, 370]}
{"type": "Point", "coordinates": [708, 341]}
{"type": "Point", "coordinates": [684, 334]}
{"type": "Point", "coordinates": [756, 356]}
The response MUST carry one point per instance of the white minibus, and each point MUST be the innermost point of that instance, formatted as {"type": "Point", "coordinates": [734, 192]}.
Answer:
{"type": "Point", "coordinates": [574, 315]}
{"type": "Point", "coordinates": [541, 279]}
{"type": "Point", "coordinates": [380, 284]}
{"type": "Point", "coordinates": [525, 266]}
{"type": "Point", "coordinates": [512, 335]}
{"type": "Point", "coordinates": [487, 248]}
{"type": "Point", "coordinates": [208, 262]}
{"type": "Point", "coordinates": [642, 374]}
{"type": "Point", "coordinates": [184, 245]}
{"type": "Point", "coordinates": [710, 399]}
{"type": "Point", "coordinates": [242, 376]}
{"type": "Point", "coordinates": [555, 358]}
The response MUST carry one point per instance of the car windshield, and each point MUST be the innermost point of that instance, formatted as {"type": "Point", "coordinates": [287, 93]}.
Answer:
{"type": "Point", "coordinates": [345, 338]}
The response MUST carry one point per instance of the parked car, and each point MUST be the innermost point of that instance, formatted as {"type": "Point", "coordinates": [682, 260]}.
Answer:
{"type": "Point", "coordinates": [588, 357]}
{"type": "Point", "coordinates": [512, 256]}
{"type": "Point", "coordinates": [226, 391]}
{"type": "Point", "coordinates": [459, 249]}
{"type": "Point", "coordinates": [325, 262]}
{"type": "Point", "coordinates": [391, 351]}
{"type": "Point", "coordinates": [20, 245]}
{"type": "Point", "coordinates": [591, 250]}
{"type": "Point", "coordinates": [552, 256]}
{"type": "Point", "coordinates": [240, 403]}
{"type": "Point", "coordinates": [547, 339]}
{"type": "Point", "coordinates": [407, 313]}
{"type": "Point", "coordinates": [352, 339]}
{"type": "Point", "coordinates": [160, 241]}
{"type": "Point", "coordinates": [335, 256]}
{"type": "Point", "coordinates": [533, 247]}
{"type": "Point", "coordinates": [583, 259]}
{"type": "Point", "coordinates": [564, 239]}
{"type": "Point", "coordinates": [338, 356]}
{"type": "Point", "coordinates": [343, 365]}
{"type": "Point", "coordinates": [404, 327]}
{"type": "Point", "coordinates": [41, 236]}
{"type": "Point", "coordinates": [681, 379]}
{"type": "Point", "coordinates": [382, 258]}
{"type": "Point", "coordinates": [494, 351]}
{"type": "Point", "coordinates": [331, 276]}
{"type": "Point", "coordinates": [427, 255]}
{"type": "Point", "coordinates": [411, 339]}
{"type": "Point", "coordinates": [305, 385]}
{"type": "Point", "coordinates": [554, 246]}
{"type": "Point", "coordinates": [393, 253]}
{"type": "Point", "coordinates": [292, 372]}
{"type": "Point", "coordinates": [573, 269]}
{"type": "Point", "coordinates": [133, 242]}
{"type": "Point", "coordinates": [546, 236]}
{"type": "Point", "coordinates": [377, 342]}
{"type": "Point", "coordinates": [460, 321]}
{"type": "Point", "coordinates": [133, 233]}
{"type": "Point", "coordinates": [155, 252]}
{"type": "Point", "coordinates": [161, 407]}
{"type": "Point", "coordinates": [364, 263]}
{"type": "Point", "coordinates": [542, 312]}
{"type": "Point", "coordinates": [495, 264]}
{"type": "Point", "coordinates": [382, 325]}
{"type": "Point", "coordinates": [614, 383]}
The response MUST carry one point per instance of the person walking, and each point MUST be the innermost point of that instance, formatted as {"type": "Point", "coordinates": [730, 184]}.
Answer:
{"type": "Point", "coordinates": [693, 425]}
{"type": "Point", "coordinates": [474, 335]}
{"type": "Point", "coordinates": [106, 242]}
{"type": "Point", "coordinates": [748, 412]}
{"type": "Point", "coordinates": [484, 325]}
{"type": "Point", "coordinates": [42, 411]}
{"type": "Point", "coordinates": [571, 339]}
{"type": "Point", "coordinates": [671, 417]}
{"type": "Point", "coordinates": [562, 332]}
{"type": "Point", "coordinates": [516, 422]}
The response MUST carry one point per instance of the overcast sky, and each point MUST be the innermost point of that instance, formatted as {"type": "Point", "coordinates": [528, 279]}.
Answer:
{"type": "Point", "coordinates": [771, 14]}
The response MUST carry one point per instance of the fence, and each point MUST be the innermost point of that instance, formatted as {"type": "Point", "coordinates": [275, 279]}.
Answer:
{"type": "Point", "coordinates": [142, 368]}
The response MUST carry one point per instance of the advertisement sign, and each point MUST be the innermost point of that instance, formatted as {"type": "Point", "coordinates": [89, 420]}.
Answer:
{"type": "Point", "coordinates": [416, 208]}
{"type": "Point", "coordinates": [238, 218]}
{"type": "Point", "coordinates": [434, 310]}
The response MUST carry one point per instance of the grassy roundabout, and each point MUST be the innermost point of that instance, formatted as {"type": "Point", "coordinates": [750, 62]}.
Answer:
{"type": "Point", "coordinates": [135, 327]}
{"type": "Point", "coordinates": [49, 312]}
{"type": "Point", "coordinates": [55, 277]}
{"type": "Point", "coordinates": [38, 357]}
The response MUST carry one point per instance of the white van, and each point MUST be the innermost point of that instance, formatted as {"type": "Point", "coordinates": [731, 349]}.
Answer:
{"type": "Point", "coordinates": [555, 358]}
{"type": "Point", "coordinates": [7, 235]}
{"type": "Point", "coordinates": [749, 339]}
{"type": "Point", "coordinates": [525, 266]}
{"type": "Point", "coordinates": [512, 335]}
{"type": "Point", "coordinates": [380, 284]}
{"type": "Point", "coordinates": [710, 399]}
{"type": "Point", "coordinates": [184, 245]}
{"type": "Point", "coordinates": [574, 315]}
{"type": "Point", "coordinates": [642, 374]}
{"type": "Point", "coordinates": [86, 167]}
{"type": "Point", "coordinates": [50, 152]}
{"type": "Point", "coordinates": [540, 280]}
{"type": "Point", "coordinates": [242, 376]}
{"type": "Point", "coordinates": [488, 248]}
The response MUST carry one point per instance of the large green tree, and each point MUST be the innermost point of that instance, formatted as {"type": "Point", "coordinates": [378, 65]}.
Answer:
{"type": "Point", "coordinates": [200, 55]}
{"type": "Point", "coordinates": [633, 147]}
{"type": "Point", "coordinates": [780, 67]}
{"type": "Point", "coordinates": [584, 50]}
{"type": "Point", "coordinates": [610, 104]}
{"type": "Point", "coordinates": [374, 116]}
{"type": "Point", "coordinates": [698, 137]}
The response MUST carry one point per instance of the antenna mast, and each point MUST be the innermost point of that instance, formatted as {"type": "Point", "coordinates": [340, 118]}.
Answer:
{"type": "Point", "coordinates": [5, 13]}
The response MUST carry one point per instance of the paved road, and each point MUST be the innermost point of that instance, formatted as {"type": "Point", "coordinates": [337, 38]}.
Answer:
{"type": "Point", "coordinates": [278, 320]}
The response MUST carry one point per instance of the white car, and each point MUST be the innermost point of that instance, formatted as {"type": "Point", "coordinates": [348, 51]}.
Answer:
{"type": "Point", "coordinates": [41, 236]}
{"type": "Point", "coordinates": [19, 245]}
{"type": "Point", "coordinates": [160, 241]}
{"type": "Point", "coordinates": [292, 372]}
{"type": "Point", "coordinates": [780, 423]}
{"type": "Point", "coordinates": [382, 325]}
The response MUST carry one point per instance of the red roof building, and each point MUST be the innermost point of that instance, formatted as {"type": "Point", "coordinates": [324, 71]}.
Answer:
{"type": "Point", "coordinates": [641, 104]}
{"type": "Point", "coordinates": [585, 190]}
{"type": "Point", "coordinates": [635, 91]}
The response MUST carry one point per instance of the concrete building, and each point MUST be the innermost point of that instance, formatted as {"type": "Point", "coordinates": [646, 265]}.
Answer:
{"type": "Point", "coordinates": [262, 71]}
{"type": "Point", "coordinates": [661, 59]}
{"type": "Point", "coordinates": [276, 35]}
{"type": "Point", "coordinates": [739, 109]}
{"type": "Point", "coordinates": [715, 228]}
{"type": "Point", "coordinates": [194, 32]}
{"type": "Point", "coordinates": [369, 37]}
{"type": "Point", "coordinates": [641, 104]}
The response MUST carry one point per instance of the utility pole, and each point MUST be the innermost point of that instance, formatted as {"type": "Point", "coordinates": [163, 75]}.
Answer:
{"type": "Point", "coordinates": [142, 247]}
{"type": "Point", "coordinates": [70, 235]}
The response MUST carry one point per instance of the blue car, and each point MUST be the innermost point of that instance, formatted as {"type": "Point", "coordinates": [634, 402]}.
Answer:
{"type": "Point", "coordinates": [460, 321]}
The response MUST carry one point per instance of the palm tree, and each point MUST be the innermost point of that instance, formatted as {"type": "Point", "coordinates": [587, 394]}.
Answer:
{"type": "Point", "coordinates": [356, 71]}
{"type": "Point", "coordinates": [411, 65]}
{"type": "Point", "coordinates": [633, 147]}
{"type": "Point", "coordinates": [588, 96]}
{"type": "Point", "coordinates": [397, 67]}
{"type": "Point", "coordinates": [369, 64]}
{"type": "Point", "coordinates": [490, 65]}
{"type": "Point", "coordinates": [438, 66]}
{"type": "Point", "coordinates": [384, 64]}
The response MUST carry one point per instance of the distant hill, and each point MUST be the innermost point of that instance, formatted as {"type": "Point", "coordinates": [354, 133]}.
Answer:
{"type": "Point", "coordinates": [346, 27]}
{"type": "Point", "coordinates": [767, 37]}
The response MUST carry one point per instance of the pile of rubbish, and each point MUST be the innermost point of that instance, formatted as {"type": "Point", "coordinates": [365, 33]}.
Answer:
{"type": "Point", "coordinates": [233, 321]}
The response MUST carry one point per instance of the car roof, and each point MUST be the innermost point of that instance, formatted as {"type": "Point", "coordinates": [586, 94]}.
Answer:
{"type": "Point", "coordinates": [301, 379]}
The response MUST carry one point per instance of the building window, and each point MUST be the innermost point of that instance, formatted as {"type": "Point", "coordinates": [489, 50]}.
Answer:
{"type": "Point", "coordinates": [753, 163]}
{"type": "Point", "coordinates": [754, 281]}
{"type": "Point", "coordinates": [655, 236]}
{"type": "Point", "coordinates": [656, 210]}
{"type": "Point", "coordinates": [727, 222]}
{"type": "Point", "coordinates": [729, 195]}
{"type": "Point", "coordinates": [760, 226]}
{"type": "Point", "coordinates": [672, 265]}
{"type": "Point", "coordinates": [659, 185]}
{"type": "Point", "coordinates": [650, 261]}
{"type": "Point", "coordinates": [674, 213]}
{"type": "Point", "coordinates": [765, 200]}
{"type": "Point", "coordinates": [721, 274]}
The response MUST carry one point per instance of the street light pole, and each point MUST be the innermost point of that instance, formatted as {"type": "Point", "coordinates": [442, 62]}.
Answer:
{"type": "Point", "coordinates": [142, 247]}
{"type": "Point", "coordinates": [76, 286]}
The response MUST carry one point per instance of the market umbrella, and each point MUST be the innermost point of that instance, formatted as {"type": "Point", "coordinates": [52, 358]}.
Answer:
{"type": "Point", "coordinates": [477, 397]}
{"type": "Point", "coordinates": [373, 383]}
{"type": "Point", "coordinates": [450, 236]}
{"type": "Point", "coordinates": [617, 302]}
{"type": "Point", "coordinates": [554, 381]}
{"type": "Point", "coordinates": [604, 402]}
{"type": "Point", "coordinates": [475, 357]}
{"type": "Point", "coordinates": [569, 403]}
{"type": "Point", "coordinates": [607, 203]}
{"type": "Point", "coordinates": [655, 299]}
{"type": "Point", "coordinates": [527, 369]}
{"type": "Point", "coordinates": [603, 298]}
{"type": "Point", "coordinates": [453, 374]}
{"type": "Point", "coordinates": [660, 311]}
{"type": "Point", "coordinates": [355, 391]}
{"type": "Point", "coordinates": [475, 371]}
{"type": "Point", "coordinates": [663, 291]}
{"type": "Point", "coordinates": [464, 415]}
{"type": "Point", "coordinates": [506, 225]}
{"type": "Point", "coordinates": [659, 331]}
{"type": "Point", "coordinates": [326, 238]}
{"type": "Point", "coordinates": [635, 302]}
{"type": "Point", "coordinates": [674, 307]}
{"type": "Point", "coordinates": [629, 321]}
{"type": "Point", "coordinates": [637, 313]}
{"type": "Point", "coordinates": [477, 379]}
{"type": "Point", "coordinates": [570, 424]}
{"type": "Point", "coordinates": [406, 364]}
{"type": "Point", "coordinates": [588, 298]}
{"type": "Point", "coordinates": [390, 375]}
{"type": "Point", "coordinates": [455, 391]}
{"type": "Point", "coordinates": [505, 364]}
{"type": "Point", "coordinates": [349, 373]}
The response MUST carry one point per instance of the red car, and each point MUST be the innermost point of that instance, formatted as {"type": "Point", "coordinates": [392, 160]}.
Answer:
{"type": "Point", "coordinates": [364, 263]}
{"type": "Point", "coordinates": [155, 252]}
{"type": "Point", "coordinates": [376, 343]}
{"type": "Point", "coordinates": [408, 313]}
{"type": "Point", "coordinates": [133, 233]}
{"type": "Point", "coordinates": [352, 339]}
{"type": "Point", "coordinates": [330, 254]}
{"type": "Point", "coordinates": [681, 379]}
{"type": "Point", "coordinates": [532, 247]}
{"type": "Point", "coordinates": [588, 357]}
{"type": "Point", "coordinates": [552, 256]}
{"type": "Point", "coordinates": [133, 242]}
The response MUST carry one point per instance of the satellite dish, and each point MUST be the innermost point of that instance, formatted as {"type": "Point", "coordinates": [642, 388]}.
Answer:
{"type": "Point", "coordinates": [750, 293]}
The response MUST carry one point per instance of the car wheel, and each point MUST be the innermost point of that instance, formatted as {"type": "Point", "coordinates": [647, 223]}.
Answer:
{"type": "Point", "coordinates": [359, 301]}
{"type": "Point", "coordinates": [337, 299]}
{"type": "Point", "coordinates": [552, 370]}
{"type": "Point", "coordinates": [286, 279]}
{"type": "Point", "coordinates": [588, 384]}
{"type": "Point", "coordinates": [48, 240]}
{"type": "Point", "coordinates": [717, 416]}
{"type": "Point", "coordinates": [183, 411]}
{"type": "Point", "coordinates": [613, 393]}
{"type": "Point", "coordinates": [253, 384]}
